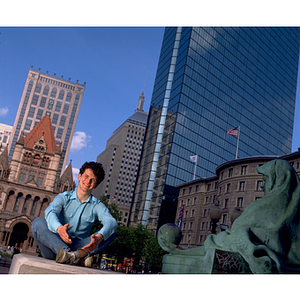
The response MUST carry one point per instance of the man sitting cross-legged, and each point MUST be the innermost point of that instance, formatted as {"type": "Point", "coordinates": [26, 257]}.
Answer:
{"type": "Point", "coordinates": [63, 233]}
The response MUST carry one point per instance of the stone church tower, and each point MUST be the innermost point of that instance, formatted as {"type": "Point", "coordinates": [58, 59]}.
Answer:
{"type": "Point", "coordinates": [29, 184]}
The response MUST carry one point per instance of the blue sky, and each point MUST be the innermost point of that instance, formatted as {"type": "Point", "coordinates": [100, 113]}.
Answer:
{"type": "Point", "coordinates": [116, 63]}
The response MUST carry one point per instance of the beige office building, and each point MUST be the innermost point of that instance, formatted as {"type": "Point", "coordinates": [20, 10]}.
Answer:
{"type": "Point", "coordinates": [121, 159]}
{"type": "Point", "coordinates": [57, 97]}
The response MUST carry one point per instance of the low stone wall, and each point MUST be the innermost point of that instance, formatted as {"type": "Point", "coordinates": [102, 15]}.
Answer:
{"type": "Point", "coordinates": [27, 264]}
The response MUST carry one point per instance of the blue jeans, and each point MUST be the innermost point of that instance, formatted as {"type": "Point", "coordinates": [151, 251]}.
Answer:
{"type": "Point", "coordinates": [50, 242]}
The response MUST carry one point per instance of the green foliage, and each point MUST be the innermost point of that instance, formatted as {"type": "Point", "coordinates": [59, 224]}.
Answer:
{"type": "Point", "coordinates": [136, 242]}
{"type": "Point", "coordinates": [113, 209]}
{"type": "Point", "coordinates": [153, 254]}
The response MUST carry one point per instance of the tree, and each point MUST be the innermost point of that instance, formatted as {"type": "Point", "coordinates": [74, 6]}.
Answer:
{"type": "Point", "coordinates": [113, 209]}
{"type": "Point", "coordinates": [153, 254]}
{"type": "Point", "coordinates": [136, 242]}
{"type": "Point", "coordinates": [123, 245]}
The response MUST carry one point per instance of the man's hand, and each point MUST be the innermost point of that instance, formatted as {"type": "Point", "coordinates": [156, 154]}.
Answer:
{"type": "Point", "coordinates": [62, 231]}
{"type": "Point", "coordinates": [95, 240]}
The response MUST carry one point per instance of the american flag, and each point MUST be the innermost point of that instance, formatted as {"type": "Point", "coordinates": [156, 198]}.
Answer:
{"type": "Point", "coordinates": [233, 131]}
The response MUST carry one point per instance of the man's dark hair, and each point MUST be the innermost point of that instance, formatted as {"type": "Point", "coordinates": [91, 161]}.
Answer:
{"type": "Point", "coordinates": [97, 169]}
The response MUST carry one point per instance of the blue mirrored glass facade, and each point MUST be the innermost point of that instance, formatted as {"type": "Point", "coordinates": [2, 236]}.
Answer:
{"type": "Point", "coordinates": [210, 80]}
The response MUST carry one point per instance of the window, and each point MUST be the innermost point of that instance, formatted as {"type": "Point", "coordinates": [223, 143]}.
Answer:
{"type": "Point", "coordinates": [22, 175]}
{"type": "Point", "coordinates": [35, 202]}
{"type": "Point", "coordinates": [61, 94]}
{"type": "Point", "coordinates": [226, 202]}
{"type": "Point", "coordinates": [203, 226]}
{"type": "Point", "coordinates": [25, 204]}
{"type": "Point", "coordinates": [205, 213]}
{"type": "Point", "coordinates": [69, 96]}
{"type": "Point", "coordinates": [193, 213]}
{"type": "Point", "coordinates": [38, 88]}
{"type": "Point", "coordinates": [242, 186]}
{"type": "Point", "coordinates": [53, 93]}
{"type": "Point", "coordinates": [208, 187]}
{"type": "Point", "coordinates": [240, 202]}
{"type": "Point", "coordinates": [201, 238]}
{"type": "Point", "coordinates": [230, 172]}
{"type": "Point", "coordinates": [46, 90]}
{"type": "Point", "coordinates": [43, 102]}
{"type": "Point", "coordinates": [31, 112]}
{"type": "Point", "coordinates": [62, 121]}
{"type": "Point", "coordinates": [259, 186]}
{"type": "Point", "coordinates": [243, 170]}
{"type": "Point", "coordinates": [31, 175]}
{"type": "Point", "coordinates": [228, 188]}
{"type": "Point", "coordinates": [58, 106]}
{"type": "Point", "coordinates": [39, 114]}
{"type": "Point", "coordinates": [40, 179]}
{"type": "Point", "coordinates": [35, 99]}
{"type": "Point", "coordinates": [17, 203]}
{"type": "Point", "coordinates": [66, 108]}
{"type": "Point", "coordinates": [224, 219]}
{"type": "Point", "coordinates": [55, 119]}
{"type": "Point", "coordinates": [28, 124]}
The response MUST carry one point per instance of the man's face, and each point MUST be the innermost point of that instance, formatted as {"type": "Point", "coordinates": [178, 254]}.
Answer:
{"type": "Point", "coordinates": [87, 181]}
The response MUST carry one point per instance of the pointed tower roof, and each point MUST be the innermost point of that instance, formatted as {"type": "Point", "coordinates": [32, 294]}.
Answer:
{"type": "Point", "coordinates": [65, 182]}
{"type": "Point", "coordinates": [42, 129]}
{"type": "Point", "coordinates": [68, 174]}
{"type": "Point", "coordinates": [21, 139]}
{"type": "Point", "coordinates": [141, 101]}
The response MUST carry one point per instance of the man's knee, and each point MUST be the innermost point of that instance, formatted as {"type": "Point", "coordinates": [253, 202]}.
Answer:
{"type": "Point", "coordinates": [37, 223]}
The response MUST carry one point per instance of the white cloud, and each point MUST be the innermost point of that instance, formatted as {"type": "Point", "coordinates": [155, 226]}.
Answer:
{"type": "Point", "coordinates": [3, 111]}
{"type": "Point", "coordinates": [80, 140]}
{"type": "Point", "coordinates": [75, 172]}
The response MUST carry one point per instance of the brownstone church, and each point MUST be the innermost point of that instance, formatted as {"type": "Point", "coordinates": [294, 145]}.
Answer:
{"type": "Point", "coordinates": [29, 183]}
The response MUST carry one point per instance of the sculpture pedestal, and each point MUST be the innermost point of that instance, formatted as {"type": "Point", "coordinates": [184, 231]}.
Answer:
{"type": "Point", "coordinates": [215, 262]}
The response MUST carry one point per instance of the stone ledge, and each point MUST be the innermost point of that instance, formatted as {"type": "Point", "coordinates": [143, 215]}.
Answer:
{"type": "Point", "coordinates": [27, 264]}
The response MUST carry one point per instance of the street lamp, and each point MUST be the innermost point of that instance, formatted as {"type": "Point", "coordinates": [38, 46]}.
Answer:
{"type": "Point", "coordinates": [215, 215]}
{"type": "Point", "coordinates": [235, 215]}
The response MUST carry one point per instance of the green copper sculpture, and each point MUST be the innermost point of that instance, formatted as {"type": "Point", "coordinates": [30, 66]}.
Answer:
{"type": "Point", "coordinates": [266, 236]}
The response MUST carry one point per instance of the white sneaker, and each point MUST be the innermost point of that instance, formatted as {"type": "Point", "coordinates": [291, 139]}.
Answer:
{"type": "Point", "coordinates": [64, 257]}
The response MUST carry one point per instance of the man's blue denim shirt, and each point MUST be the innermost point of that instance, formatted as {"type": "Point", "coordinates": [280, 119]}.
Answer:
{"type": "Point", "coordinates": [67, 208]}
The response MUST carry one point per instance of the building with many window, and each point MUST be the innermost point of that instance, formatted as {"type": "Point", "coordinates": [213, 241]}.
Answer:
{"type": "Point", "coordinates": [29, 184]}
{"type": "Point", "coordinates": [60, 99]}
{"type": "Point", "coordinates": [208, 81]}
{"type": "Point", "coordinates": [5, 134]}
{"type": "Point", "coordinates": [121, 159]}
{"type": "Point", "coordinates": [235, 185]}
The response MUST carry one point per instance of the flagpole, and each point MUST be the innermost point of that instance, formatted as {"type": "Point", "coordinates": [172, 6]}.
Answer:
{"type": "Point", "coordinates": [237, 143]}
{"type": "Point", "coordinates": [195, 166]}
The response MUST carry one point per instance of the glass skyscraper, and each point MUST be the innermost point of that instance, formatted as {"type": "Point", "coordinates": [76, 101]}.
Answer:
{"type": "Point", "coordinates": [210, 80]}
